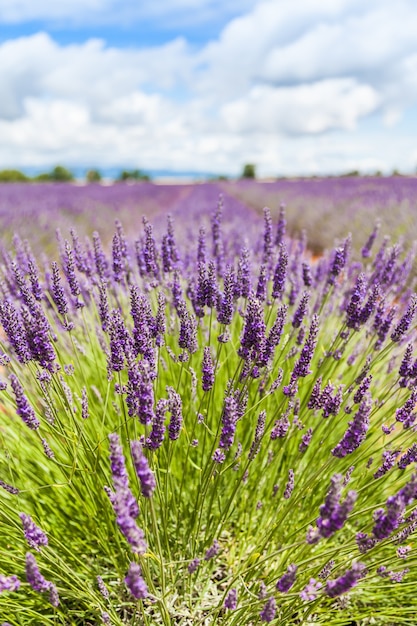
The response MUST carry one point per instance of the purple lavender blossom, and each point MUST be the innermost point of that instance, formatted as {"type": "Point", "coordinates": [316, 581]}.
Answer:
{"type": "Point", "coordinates": [345, 582]}
{"type": "Point", "coordinates": [212, 551]}
{"type": "Point", "coordinates": [33, 534]}
{"type": "Point", "coordinates": [366, 250]}
{"type": "Point", "coordinates": [242, 285]}
{"type": "Point", "coordinates": [102, 587]}
{"type": "Point", "coordinates": [262, 284]}
{"type": "Point", "coordinates": [388, 462]}
{"type": "Point", "coordinates": [15, 331]}
{"type": "Point", "coordinates": [354, 308]}
{"type": "Point", "coordinates": [309, 593]}
{"type": "Point", "coordinates": [57, 291]}
{"type": "Point", "coordinates": [274, 336]}
{"type": "Point", "coordinates": [363, 388]}
{"type": "Point", "coordinates": [135, 583]}
{"type": "Point", "coordinates": [9, 488]}
{"type": "Point", "coordinates": [143, 471]}
{"type": "Point", "coordinates": [193, 565]}
{"type": "Point", "coordinates": [231, 600]}
{"type": "Point", "coordinates": [305, 440]}
{"type": "Point", "coordinates": [253, 335]}
{"type": "Point", "coordinates": [38, 582]}
{"type": "Point", "coordinates": [229, 419]}
{"type": "Point", "coordinates": [301, 368]}
{"type": "Point", "coordinates": [290, 485]}
{"type": "Point", "coordinates": [301, 310]}
{"type": "Point", "coordinates": [278, 285]}
{"type": "Point", "coordinates": [269, 610]}
{"type": "Point", "coordinates": [207, 377]}
{"type": "Point", "coordinates": [256, 443]}
{"type": "Point", "coordinates": [307, 277]}
{"type": "Point", "coordinates": [405, 367]}
{"type": "Point", "coordinates": [156, 437]}
{"type": "Point", "coordinates": [387, 522]}
{"type": "Point", "coordinates": [280, 233]}
{"type": "Point", "coordinates": [9, 583]}
{"type": "Point", "coordinates": [405, 322]}
{"type": "Point", "coordinates": [409, 457]}
{"type": "Point", "coordinates": [23, 407]}
{"type": "Point", "coordinates": [334, 512]}
{"type": "Point", "coordinates": [356, 432]}
{"type": "Point", "coordinates": [120, 342]}
{"type": "Point", "coordinates": [287, 580]}
{"type": "Point", "coordinates": [175, 408]}
{"type": "Point", "coordinates": [405, 413]}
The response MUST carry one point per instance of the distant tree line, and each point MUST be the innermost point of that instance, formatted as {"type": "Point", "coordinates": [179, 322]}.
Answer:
{"type": "Point", "coordinates": [60, 174]}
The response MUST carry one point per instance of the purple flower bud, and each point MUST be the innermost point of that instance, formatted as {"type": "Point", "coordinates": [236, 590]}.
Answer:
{"type": "Point", "coordinates": [356, 432]}
{"type": "Point", "coordinates": [33, 534]}
{"type": "Point", "coordinates": [9, 583]}
{"type": "Point", "coordinates": [156, 437]}
{"type": "Point", "coordinates": [212, 551]}
{"type": "Point", "coordinates": [175, 408]}
{"type": "Point", "coordinates": [405, 322]}
{"type": "Point", "coordinates": [387, 522]}
{"type": "Point", "coordinates": [225, 307]}
{"type": "Point", "coordinates": [301, 368]}
{"type": "Point", "coordinates": [269, 610]}
{"type": "Point", "coordinates": [193, 566]}
{"type": "Point", "coordinates": [309, 593]}
{"type": "Point", "coordinates": [409, 457]}
{"type": "Point", "coordinates": [23, 407]}
{"type": "Point", "coordinates": [334, 512]}
{"type": "Point", "coordinates": [388, 462]}
{"type": "Point", "coordinates": [57, 291]}
{"type": "Point", "coordinates": [135, 583]}
{"type": "Point", "coordinates": [253, 335]}
{"type": "Point", "coordinates": [405, 413]}
{"type": "Point", "coordinates": [366, 250]}
{"type": "Point", "coordinates": [242, 285]}
{"type": "Point", "coordinates": [102, 587]}
{"type": "Point", "coordinates": [231, 600]}
{"type": "Point", "coordinates": [345, 582]}
{"type": "Point", "coordinates": [13, 490]}
{"type": "Point", "coordinates": [260, 428]}
{"type": "Point", "coordinates": [143, 471]}
{"type": "Point", "coordinates": [207, 378]}
{"type": "Point", "coordinates": [305, 440]}
{"type": "Point", "coordinates": [301, 310]}
{"type": "Point", "coordinates": [280, 233]}
{"type": "Point", "coordinates": [287, 580]}
{"type": "Point", "coordinates": [278, 285]}
{"type": "Point", "coordinates": [290, 485]}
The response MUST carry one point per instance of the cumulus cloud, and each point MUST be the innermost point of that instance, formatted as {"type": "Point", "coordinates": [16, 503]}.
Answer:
{"type": "Point", "coordinates": [284, 85]}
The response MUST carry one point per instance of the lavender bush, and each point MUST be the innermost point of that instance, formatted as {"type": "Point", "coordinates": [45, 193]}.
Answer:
{"type": "Point", "coordinates": [217, 432]}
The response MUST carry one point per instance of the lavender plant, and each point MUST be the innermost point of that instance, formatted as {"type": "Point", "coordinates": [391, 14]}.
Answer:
{"type": "Point", "coordinates": [216, 432]}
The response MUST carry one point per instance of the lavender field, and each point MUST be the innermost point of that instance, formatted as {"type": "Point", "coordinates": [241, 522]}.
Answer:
{"type": "Point", "coordinates": [208, 403]}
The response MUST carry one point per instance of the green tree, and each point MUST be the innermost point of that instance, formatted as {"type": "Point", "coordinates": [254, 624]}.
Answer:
{"type": "Point", "coordinates": [133, 175]}
{"type": "Point", "coordinates": [13, 176]}
{"type": "Point", "coordinates": [249, 170]}
{"type": "Point", "coordinates": [61, 174]}
{"type": "Point", "coordinates": [93, 176]}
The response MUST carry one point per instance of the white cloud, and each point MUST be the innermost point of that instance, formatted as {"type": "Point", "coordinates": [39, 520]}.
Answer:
{"type": "Point", "coordinates": [278, 86]}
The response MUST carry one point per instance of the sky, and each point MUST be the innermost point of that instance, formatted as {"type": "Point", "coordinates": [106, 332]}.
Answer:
{"type": "Point", "coordinates": [297, 87]}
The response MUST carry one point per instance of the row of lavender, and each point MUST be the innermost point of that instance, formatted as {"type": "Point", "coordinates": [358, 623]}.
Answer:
{"type": "Point", "coordinates": [217, 432]}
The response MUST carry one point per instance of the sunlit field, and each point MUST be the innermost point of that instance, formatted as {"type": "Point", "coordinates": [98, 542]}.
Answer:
{"type": "Point", "coordinates": [207, 403]}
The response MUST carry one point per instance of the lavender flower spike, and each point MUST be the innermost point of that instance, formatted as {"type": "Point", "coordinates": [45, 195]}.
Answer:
{"type": "Point", "coordinates": [135, 583]}
{"type": "Point", "coordinates": [333, 513]}
{"type": "Point", "coordinates": [33, 534]}
{"type": "Point", "coordinates": [37, 581]}
{"type": "Point", "coordinates": [143, 471]}
{"type": "Point", "coordinates": [231, 600]}
{"type": "Point", "coordinates": [287, 580]}
{"type": "Point", "coordinates": [9, 583]}
{"type": "Point", "coordinates": [268, 612]}
{"type": "Point", "coordinates": [405, 322]}
{"type": "Point", "coordinates": [345, 582]}
{"type": "Point", "coordinates": [24, 409]}
{"type": "Point", "coordinates": [356, 432]}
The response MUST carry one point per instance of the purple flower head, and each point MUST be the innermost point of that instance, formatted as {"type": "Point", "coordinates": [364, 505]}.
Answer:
{"type": "Point", "coordinates": [120, 342]}
{"type": "Point", "coordinates": [274, 336]}
{"type": "Point", "coordinates": [405, 322]}
{"type": "Point", "coordinates": [143, 471]}
{"type": "Point", "coordinates": [135, 583]}
{"type": "Point", "coordinates": [345, 582]}
{"type": "Point", "coordinates": [405, 367]}
{"type": "Point", "coordinates": [57, 291]}
{"type": "Point", "coordinates": [38, 336]}
{"type": "Point", "coordinates": [231, 600]}
{"type": "Point", "coordinates": [338, 263]}
{"type": "Point", "coordinates": [9, 488]}
{"type": "Point", "coordinates": [363, 388]}
{"type": "Point", "coordinates": [23, 408]}
{"type": "Point", "coordinates": [175, 408]}
{"type": "Point", "coordinates": [212, 551]}
{"type": "Point", "coordinates": [33, 575]}
{"type": "Point", "coordinates": [253, 335]}
{"type": "Point", "coordinates": [301, 310]}
{"type": "Point", "coordinates": [309, 593]}
{"type": "Point", "coordinates": [242, 284]}
{"type": "Point", "coordinates": [156, 437]}
{"type": "Point", "coordinates": [278, 285]}
{"type": "Point", "coordinates": [409, 457]}
{"type": "Point", "coordinates": [262, 284]}
{"type": "Point", "coordinates": [305, 440]}
{"type": "Point", "coordinates": [225, 305]}
{"type": "Point", "coordinates": [269, 610]}
{"type": "Point", "coordinates": [260, 428]}
{"type": "Point", "coordinates": [69, 270]}
{"type": "Point", "coordinates": [149, 251]}
{"type": "Point", "coordinates": [9, 583]}
{"type": "Point", "coordinates": [229, 419]}
{"type": "Point", "coordinates": [267, 247]}
{"type": "Point", "coordinates": [307, 277]}
{"type": "Point", "coordinates": [405, 414]}
{"type": "Point", "coordinates": [193, 566]}
{"type": "Point", "coordinates": [388, 462]}
{"type": "Point", "coordinates": [15, 331]}
{"type": "Point", "coordinates": [287, 580]}
{"type": "Point", "coordinates": [334, 512]}
{"type": "Point", "coordinates": [388, 521]}
{"type": "Point", "coordinates": [280, 233]}
{"type": "Point", "coordinates": [188, 329]}
{"type": "Point", "coordinates": [366, 250]}
{"type": "Point", "coordinates": [207, 378]}
{"type": "Point", "coordinates": [354, 308]}
{"type": "Point", "coordinates": [281, 427]}
{"type": "Point", "coordinates": [102, 587]}
{"type": "Point", "coordinates": [290, 485]}
{"type": "Point", "coordinates": [33, 534]}
{"type": "Point", "coordinates": [356, 432]}
{"type": "Point", "coordinates": [302, 367]}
